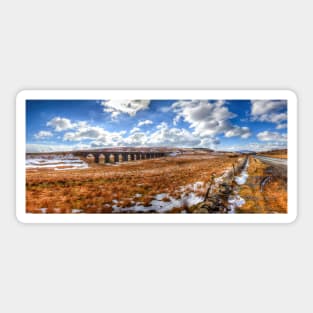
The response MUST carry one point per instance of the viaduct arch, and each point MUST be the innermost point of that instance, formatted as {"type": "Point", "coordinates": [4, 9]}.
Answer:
{"type": "Point", "coordinates": [103, 157]}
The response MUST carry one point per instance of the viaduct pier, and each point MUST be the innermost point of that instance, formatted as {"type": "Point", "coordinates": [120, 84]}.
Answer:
{"type": "Point", "coordinates": [103, 157]}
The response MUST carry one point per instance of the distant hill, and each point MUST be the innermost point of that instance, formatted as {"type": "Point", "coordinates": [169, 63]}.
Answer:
{"type": "Point", "coordinates": [245, 151]}
{"type": "Point", "coordinates": [275, 152]}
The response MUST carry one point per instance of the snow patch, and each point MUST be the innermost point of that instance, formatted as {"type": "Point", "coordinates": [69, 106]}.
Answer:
{"type": "Point", "coordinates": [77, 211]}
{"type": "Point", "coordinates": [197, 185]}
{"type": "Point", "coordinates": [235, 201]}
{"type": "Point", "coordinates": [158, 205]}
{"type": "Point", "coordinates": [242, 178]}
{"type": "Point", "coordinates": [173, 154]}
{"type": "Point", "coordinates": [58, 162]}
{"type": "Point", "coordinates": [160, 196]}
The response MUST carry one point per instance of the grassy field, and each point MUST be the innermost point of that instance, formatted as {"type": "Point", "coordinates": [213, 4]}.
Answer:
{"type": "Point", "coordinates": [280, 154]}
{"type": "Point", "coordinates": [101, 188]}
{"type": "Point", "coordinates": [270, 198]}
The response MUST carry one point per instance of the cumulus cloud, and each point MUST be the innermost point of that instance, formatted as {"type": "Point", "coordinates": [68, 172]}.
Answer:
{"type": "Point", "coordinates": [85, 136]}
{"type": "Point", "coordinates": [165, 109]}
{"type": "Point", "coordinates": [273, 111]}
{"type": "Point", "coordinates": [134, 130]}
{"type": "Point", "coordinates": [281, 126]}
{"type": "Point", "coordinates": [146, 122]}
{"type": "Point", "coordinates": [166, 136]}
{"type": "Point", "coordinates": [209, 142]}
{"type": "Point", "coordinates": [256, 146]}
{"type": "Point", "coordinates": [83, 133]}
{"type": "Point", "coordinates": [136, 139]}
{"type": "Point", "coordinates": [98, 135]}
{"type": "Point", "coordinates": [271, 136]}
{"type": "Point", "coordinates": [60, 124]}
{"type": "Point", "coordinates": [130, 107]}
{"type": "Point", "coordinates": [208, 118]}
{"type": "Point", "coordinates": [243, 132]}
{"type": "Point", "coordinates": [40, 148]}
{"type": "Point", "coordinates": [162, 136]}
{"type": "Point", "coordinates": [43, 134]}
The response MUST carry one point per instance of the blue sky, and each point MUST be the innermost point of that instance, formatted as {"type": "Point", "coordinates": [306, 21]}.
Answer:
{"type": "Point", "coordinates": [56, 125]}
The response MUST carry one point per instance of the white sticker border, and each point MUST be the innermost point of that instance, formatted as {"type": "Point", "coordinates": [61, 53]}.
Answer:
{"type": "Point", "coordinates": [292, 111]}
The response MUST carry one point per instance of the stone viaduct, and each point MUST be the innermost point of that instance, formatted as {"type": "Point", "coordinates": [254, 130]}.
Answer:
{"type": "Point", "coordinates": [117, 156]}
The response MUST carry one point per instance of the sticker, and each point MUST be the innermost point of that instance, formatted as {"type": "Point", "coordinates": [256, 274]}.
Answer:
{"type": "Point", "coordinates": [156, 156]}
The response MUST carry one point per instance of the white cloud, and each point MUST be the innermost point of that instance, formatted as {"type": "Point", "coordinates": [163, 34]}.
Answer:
{"type": "Point", "coordinates": [209, 142]}
{"type": "Point", "coordinates": [81, 131]}
{"type": "Point", "coordinates": [208, 118]}
{"type": "Point", "coordinates": [37, 148]}
{"type": "Point", "coordinates": [166, 136]}
{"type": "Point", "coordinates": [130, 107]}
{"type": "Point", "coordinates": [43, 134]}
{"type": "Point", "coordinates": [281, 126]}
{"type": "Point", "coordinates": [146, 122]}
{"type": "Point", "coordinates": [243, 132]}
{"type": "Point", "coordinates": [41, 148]}
{"type": "Point", "coordinates": [165, 109]}
{"type": "Point", "coordinates": [257, 147]}
{"type": "Point", "coordinates": [98, 135]}
{"type": "Point", "coordinates": [134, 130]}
{"type": "Point", "coordinates": [60, 124]}
{"type": "Point", "coordinates": [176, 119]}
{"type": "Point", "coordinates": [273, 111]}
{"type": "Point", "coordinates": [271, 136]}
{"type": "Point", "coordinates": [136, 139]}
{"type": "Point", "coordinates": [81, 134]}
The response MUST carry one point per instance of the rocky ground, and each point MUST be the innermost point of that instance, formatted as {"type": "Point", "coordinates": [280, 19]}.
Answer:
{"type": "Point", "coordinates": [221, 189]}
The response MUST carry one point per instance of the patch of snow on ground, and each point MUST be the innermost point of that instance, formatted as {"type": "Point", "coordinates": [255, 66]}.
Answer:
{"type": "Point", "coordinates": [83, 166]}
{"type": "Point", "coordinates": [173, 154]}
{"type": "Point", "coordinates": [192, 199]}
{"type": "Point", "coordinates": [235, 201]}
{"type": "Point", "coordinates": [161, 196]}
{"type": "Point", "coordinates": [56, 162]}
{"type": "Point", "coordinates": [220, 179]}
{"type": "Point", "coordinates": [160, 206]}
{"type": "Point", "coordinates": [197, 185]}
{"type": "Point", "coordinates": [77, 211]}
{"type": "Point", "coordinates": [242, 178]}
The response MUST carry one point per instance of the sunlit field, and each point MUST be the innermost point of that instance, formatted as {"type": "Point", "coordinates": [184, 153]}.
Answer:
{"type": "Point", "coordinates": [186, 183]}
{"type": "Point", "coordinates": [125, 187]}
{"type": "Point", "coordinates": [263, 192]}
{"type": "Point", "coordinates": [157, 156]}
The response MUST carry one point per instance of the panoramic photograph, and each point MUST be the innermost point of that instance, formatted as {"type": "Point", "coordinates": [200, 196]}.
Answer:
{"type": "Point", "coordinates": [155, 156]}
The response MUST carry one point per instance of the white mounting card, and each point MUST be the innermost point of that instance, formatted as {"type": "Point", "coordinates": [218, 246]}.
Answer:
{"type": "Point", "coordinates": [156, 156]}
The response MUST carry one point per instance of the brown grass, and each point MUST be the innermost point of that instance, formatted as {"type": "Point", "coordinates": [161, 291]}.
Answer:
{"type": "Point", "coordinates": [280, 154]}
{"type": "Point", "coordinates": [98, 188]}
{"type": "Point", "coordinates": [273, 197]}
